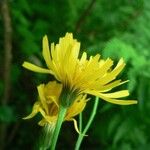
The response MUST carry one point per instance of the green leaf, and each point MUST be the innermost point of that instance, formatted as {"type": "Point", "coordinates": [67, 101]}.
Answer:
{"type": "Point", "coordinates": [7, 114]}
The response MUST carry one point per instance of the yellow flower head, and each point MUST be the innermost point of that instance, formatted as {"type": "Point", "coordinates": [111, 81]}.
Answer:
{"type": "Point", "coordinates": [93, 76]}
{"type": "Point", "coordinates": [48, 104]}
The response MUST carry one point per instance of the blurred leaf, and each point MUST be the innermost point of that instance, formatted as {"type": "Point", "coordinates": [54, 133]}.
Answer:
{"type": "Point", "coordinates": [7, 114]}
{"type": "Point", "coordinates": [114, 123]}
{"type": "Point", "coordinates": [121, 131]}
{"type": "Point", "coordinates": [16, 72]}
{"type": "Point", "coordinates": [1, 87]}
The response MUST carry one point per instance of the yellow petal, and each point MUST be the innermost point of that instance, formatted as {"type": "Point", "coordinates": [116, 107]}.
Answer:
{"type": "Point", "coordinates": [119, 102]}
{"type": "Point", "coordinates": [52, 91]}
{"type": "Point", "coordinates": [46, 52]}
{"type": "Point", "coordinates": [117, 94]}
{"type": "Point", "coordinates": [111, 85]}
{"type": "Point", "coordinates": [83, 58]}
{"type": "Point", "coordinates": [52, 99]}
{"type": "Point", "coordinates": [35, 68]}
{"type": "Point", "coordinates": [113, 74]}
{"type": "Point", "coordinates": [49, 119]}
{"type": "Point", "coordinates": [42, 97]}
{"type": "Point", "coordinates": [111, 100]}
{"type": "Point", "coordinates": [77, 107]}
{"type": "Point", "coordinates": [42, 112]}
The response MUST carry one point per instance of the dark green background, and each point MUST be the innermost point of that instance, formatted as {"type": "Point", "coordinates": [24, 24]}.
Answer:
{"type": "Point", "coordinates": [115, 29]}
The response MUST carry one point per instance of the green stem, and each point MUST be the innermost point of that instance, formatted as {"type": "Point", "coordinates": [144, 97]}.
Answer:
{"type": "Point", "coordinates": [80, 122]}
{"type": "Point", "coordinates": [80, 138]}
{"type": "Point", "coordinates": [61, 115]}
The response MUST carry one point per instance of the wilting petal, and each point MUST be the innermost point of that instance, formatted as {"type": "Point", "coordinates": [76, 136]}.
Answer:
{"type": "Point", "coordinates": [75, 125]}
{"type": "Point", "coordinates": [35, 110]}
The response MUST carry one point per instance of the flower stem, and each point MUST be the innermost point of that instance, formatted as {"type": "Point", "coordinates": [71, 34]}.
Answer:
{"type": "Point", "coordinates": [80, 122]}
{"type": "Point", "coordinates": [80, 137]}
{"type": "Point", "coordinates": [61, 115]}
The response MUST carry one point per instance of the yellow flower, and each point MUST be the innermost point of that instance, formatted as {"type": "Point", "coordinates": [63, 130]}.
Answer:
{"type": "Point", "coordinates": [48, 105]}
{"type": "Point", "coordinates": [80, 75]}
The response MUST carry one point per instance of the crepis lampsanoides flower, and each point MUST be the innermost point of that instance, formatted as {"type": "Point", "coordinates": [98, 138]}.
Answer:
{"type": "Point", "coordinates": [80, 75]}
{"type": "Point", "coordinates": [48, 105]}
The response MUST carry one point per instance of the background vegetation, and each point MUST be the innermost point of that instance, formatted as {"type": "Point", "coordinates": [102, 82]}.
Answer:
{"type": "Point", "coordinates": [115, 29]}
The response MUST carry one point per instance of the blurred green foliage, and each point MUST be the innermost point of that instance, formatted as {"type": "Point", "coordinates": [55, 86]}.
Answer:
{"type": "Point", "coordinates": [114, 29]}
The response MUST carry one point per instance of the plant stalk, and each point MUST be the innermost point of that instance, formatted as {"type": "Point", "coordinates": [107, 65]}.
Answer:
{"type": "Point", "coordinates": [80, 137]}
{"type": "Point", "coordinates": [61, 115]}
